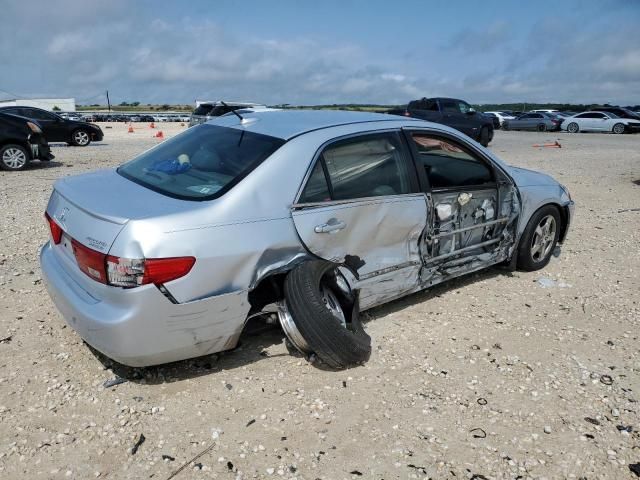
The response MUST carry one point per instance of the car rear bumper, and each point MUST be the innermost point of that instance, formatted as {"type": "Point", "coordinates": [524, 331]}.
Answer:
{"type": "Point", "coordinates": [140, 326]}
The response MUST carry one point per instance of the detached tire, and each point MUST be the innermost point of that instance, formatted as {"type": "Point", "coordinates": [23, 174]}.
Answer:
{"type": "Point", "coordinates": [337, 344]}
{"type": "Point", "coordinates": [539, 239]}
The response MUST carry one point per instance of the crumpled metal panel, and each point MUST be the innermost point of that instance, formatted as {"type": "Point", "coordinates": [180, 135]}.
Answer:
{"type": "Point", "coordinates": [378, 239]}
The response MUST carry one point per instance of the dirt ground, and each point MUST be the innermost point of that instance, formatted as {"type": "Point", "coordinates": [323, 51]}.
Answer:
{"type": "Point", "coordinates": [492, 376]}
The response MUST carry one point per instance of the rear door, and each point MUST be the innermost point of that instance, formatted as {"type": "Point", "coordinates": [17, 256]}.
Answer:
{"type": "Point", "coordinates": [360, 205]}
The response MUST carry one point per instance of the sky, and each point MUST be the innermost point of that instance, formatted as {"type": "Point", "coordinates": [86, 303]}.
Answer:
{"type": "Point", "coordinates": [321, 52]}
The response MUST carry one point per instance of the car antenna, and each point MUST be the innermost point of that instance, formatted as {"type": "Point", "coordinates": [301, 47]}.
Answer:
{"type": "Point", "coordinates": [233, 111]}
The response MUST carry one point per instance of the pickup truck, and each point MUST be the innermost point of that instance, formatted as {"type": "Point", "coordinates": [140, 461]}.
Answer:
{"type": "Point", "coordinates": [452, 112]}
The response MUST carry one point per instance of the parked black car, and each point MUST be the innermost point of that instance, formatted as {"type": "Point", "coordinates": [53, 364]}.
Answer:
{"type": "Point", "coordinates": [21, 140]}
{"type": "Point", "coordinates": [619, 111]}
{"type": "Point", "coordinates": [58, 129]}
{"type": "Point", "coordinates": [455, 113]}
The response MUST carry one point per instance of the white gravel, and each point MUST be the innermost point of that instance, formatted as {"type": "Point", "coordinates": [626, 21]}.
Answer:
{"type": "Point", "coordinates": [490, 375]}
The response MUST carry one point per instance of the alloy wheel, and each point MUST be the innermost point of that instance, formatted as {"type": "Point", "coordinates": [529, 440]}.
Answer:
{"type": "Point", "coordinates": [543, 238]}
{"type": "Point", "coordinates": [81, 138]}
{"type": "Point", "coordinates": [14, 158]}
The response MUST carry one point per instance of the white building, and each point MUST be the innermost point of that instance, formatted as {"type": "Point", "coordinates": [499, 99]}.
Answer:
{"type": "Point", "coordinates": [63, 104]}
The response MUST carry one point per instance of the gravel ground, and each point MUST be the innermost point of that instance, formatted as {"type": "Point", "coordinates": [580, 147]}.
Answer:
{"type": "Point", "coordinates": [489, 376]}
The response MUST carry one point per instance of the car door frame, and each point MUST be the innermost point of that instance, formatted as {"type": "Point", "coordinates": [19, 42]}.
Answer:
{"type": "Point", "coordinates": [400, 279]}
{"type": "Point", "coordinates": [424, 180]}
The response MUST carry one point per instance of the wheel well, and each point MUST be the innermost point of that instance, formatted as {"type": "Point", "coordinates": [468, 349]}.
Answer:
{"type": "Point", "coordinates": [269, 290]}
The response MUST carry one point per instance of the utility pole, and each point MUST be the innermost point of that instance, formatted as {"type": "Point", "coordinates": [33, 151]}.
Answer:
{"type": "Point", "coordinates": [108, 102]}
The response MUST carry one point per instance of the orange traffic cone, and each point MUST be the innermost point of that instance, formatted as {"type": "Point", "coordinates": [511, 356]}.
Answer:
{"type": "Point", "coordinates": [153, 125]}
{"type": "Point", "coordinates": [130, 129]}
{"type": "Point", "coordinates": [159, 134]}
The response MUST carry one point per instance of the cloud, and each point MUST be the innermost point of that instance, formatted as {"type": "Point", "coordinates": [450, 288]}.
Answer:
{"type": "Point", "coordinates": [140, 54]}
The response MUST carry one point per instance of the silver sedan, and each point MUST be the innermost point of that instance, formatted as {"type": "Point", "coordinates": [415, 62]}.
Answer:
{"type": "Point", "coordinates": [302, 217]}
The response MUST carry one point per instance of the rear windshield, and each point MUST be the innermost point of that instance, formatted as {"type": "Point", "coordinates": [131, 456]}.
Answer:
{"type": "Point", "coordinates": [202, 163]}
{"type": "Point", "coordinates": [203, 109]}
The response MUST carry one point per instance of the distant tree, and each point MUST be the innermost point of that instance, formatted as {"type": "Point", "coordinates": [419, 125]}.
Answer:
{"type": "Point", "coordinates": [135, 104]}
{"type": "Point", "coordinates": [124, 104]}
{"type": "Point", "coordinates": [165, 107]}
{"type": "Point", "coordinates": [56, 108]}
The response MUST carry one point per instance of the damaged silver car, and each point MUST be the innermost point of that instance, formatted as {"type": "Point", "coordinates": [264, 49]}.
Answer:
{"type": "Point", "coordinates": [307, 217]}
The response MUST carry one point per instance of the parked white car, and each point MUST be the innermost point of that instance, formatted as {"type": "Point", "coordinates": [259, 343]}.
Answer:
{"type": "Point", "coordinates": [501, 116]}
{"type": "Point", "coordinates": [599, 122]}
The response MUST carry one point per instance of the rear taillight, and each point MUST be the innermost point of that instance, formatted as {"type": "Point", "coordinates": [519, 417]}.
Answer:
{"type": "Point", "coordinates": [407, 114]}
{"type": "Point", "coordinates": [126, 272]}
{"type": "Point", "coordinates": [56, 230]}
{"type": "Point", "coordinates": [90, 261]}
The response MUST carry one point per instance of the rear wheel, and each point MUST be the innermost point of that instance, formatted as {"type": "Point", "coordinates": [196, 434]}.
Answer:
{"type": "Point", "coordinates": [573, 127]}
{"type": "Point", "coordinates": [320, 315]}
{"type": "Point", "coordinates": [80, 138]}
{"type": "Point", "coordinates": [539, 239]}
{"type": "Point", "coordinates": [13, 157]}
{"type": "Point", "coordinates": [484, 137]}
{"type": "Point", "coordinates": [618, 128]}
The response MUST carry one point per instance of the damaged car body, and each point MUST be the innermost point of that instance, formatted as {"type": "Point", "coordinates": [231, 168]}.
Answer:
{"type": "Point", "coordinates": [306, 217]}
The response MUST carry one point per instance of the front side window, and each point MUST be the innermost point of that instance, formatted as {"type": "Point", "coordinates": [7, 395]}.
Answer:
{"type": "Point", "coordinates": [449, 106]}
{"type": "Point", "coordinates": [202, 163]}
{"type": "Point", "coordinates": [449, 165]}
{"type": "Point", "coordinates": [369, 166]}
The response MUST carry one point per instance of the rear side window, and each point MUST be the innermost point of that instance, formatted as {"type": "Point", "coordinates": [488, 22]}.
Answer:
{"type": "Point", "coordinates": [202, 163]}
{"type": "Point", "coordinates": [448, 165]}
{"type": "Point", "coordinates": [317, 188]}
{"type": "Point", "coordinates": [369, 166]}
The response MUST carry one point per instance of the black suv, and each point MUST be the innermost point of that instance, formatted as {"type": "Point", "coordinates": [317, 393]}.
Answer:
{"type": "Point", "coordinates": [21, 141]}
{"type": "Point", "coordinates": [58, 129]}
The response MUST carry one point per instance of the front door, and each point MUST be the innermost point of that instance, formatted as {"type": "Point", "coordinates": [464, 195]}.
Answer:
{"type": "Point", "coordinates": [53, 126]}
{"type": "Point", "coordinates": [472, 205]}
{"type": "Point", "coordinates": [360, 206]}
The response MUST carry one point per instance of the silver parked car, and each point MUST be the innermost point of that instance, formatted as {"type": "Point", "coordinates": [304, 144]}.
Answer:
{"type": "Point", "coordinates": [308, 217]}
{"type": "Point", "coordinates": [539, 121]}
{"type": "Point", "coordinates": [600, 122]}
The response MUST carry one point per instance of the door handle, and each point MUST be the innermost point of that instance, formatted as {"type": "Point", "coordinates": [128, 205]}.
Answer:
{"type": "Point", "coordinates": [330, 227]}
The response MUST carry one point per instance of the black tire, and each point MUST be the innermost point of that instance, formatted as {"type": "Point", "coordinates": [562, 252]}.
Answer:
{"type": "Point", "coordinates": [14, 157]}
{"type": "Point", "coordinates": [527, 260]}
{"type": "Point", "coordinates": [80, 138]}
{"type": "Point", "coordinates": [505, 126]}
{"type": "Point", "coordinates": [542, 127]}
{"type": "Point", "coordinates": [618, 128]}
{"type": "Point", "coordinates": [335, 345]}
{"type": "Point", "coordinates": [484, 138]}
{"type": "Point", "coordinates": [573, 127]}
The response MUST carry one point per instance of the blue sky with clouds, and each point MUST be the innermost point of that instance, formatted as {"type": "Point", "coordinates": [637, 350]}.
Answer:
{"type": "Point", "coordinates": [322, 52]}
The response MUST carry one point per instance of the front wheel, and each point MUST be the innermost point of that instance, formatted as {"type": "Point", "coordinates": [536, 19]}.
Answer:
{"type": "Point", "coordinates": [13, 157]}
{"type": "Point", "coordinates": [542, 127]}
{"type": "Point", "coordinates": [484, 137]}
{"type": "Point", "coordinates": [618, 128]}
{"type": "Point", "coordinates": [539, 239]}
{"type": "Point", "coordinates": [80, 138]}
{"type": "Point", "coordinates": [573, 127]}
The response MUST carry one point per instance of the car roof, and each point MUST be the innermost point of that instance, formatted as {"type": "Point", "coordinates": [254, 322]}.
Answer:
{"type": "Point", "coordinates": [287, 124]}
